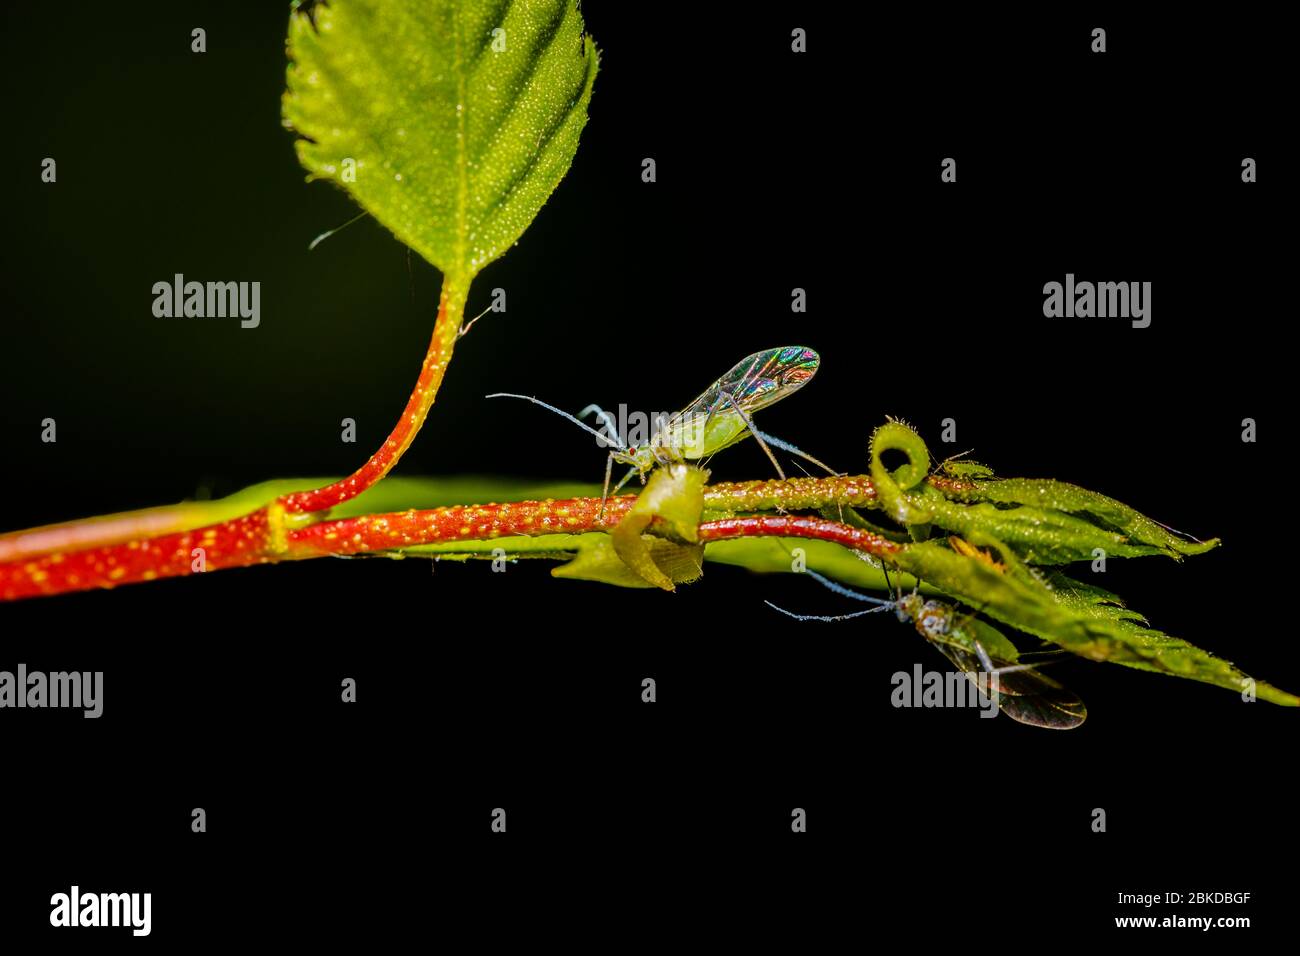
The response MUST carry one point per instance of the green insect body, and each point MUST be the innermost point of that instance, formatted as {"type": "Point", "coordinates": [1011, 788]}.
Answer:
{"type": "Point", "coordinates": [721, 416]}
{"type": "Point", "coordinates": [718, 419]}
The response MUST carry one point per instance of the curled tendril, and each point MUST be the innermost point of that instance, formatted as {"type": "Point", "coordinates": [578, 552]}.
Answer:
{"type": "Point", "coordinates": [894, 489]}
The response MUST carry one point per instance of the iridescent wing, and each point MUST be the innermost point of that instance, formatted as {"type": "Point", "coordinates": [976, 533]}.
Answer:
{"type": "Point", "coordinates": [711, 422]}
{"type": "Point", "coordinates": [1024, 693]}
{"type": "Point", "coordinates": [759, 380]}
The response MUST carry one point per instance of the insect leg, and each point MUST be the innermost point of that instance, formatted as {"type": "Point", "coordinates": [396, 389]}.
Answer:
{"type": "Point", "coordinates": [890, 587]}
{"type": "Point", "coordinates": [604, 495]}
{"type": "Point", "coordinates": [708, 419]}
{"type": "Point", "coordinates": [755, 432]}
{"type": "Point", "coordinates": [786, 446]}
{"type": "Point", "coordinates": [626, 478]}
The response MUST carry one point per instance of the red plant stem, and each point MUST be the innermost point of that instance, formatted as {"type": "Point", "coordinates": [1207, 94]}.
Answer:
{"type": "Point", "coordinates": [265, 536]}
{"type": "Point", "coordinates": [97, 532]}
{"type": "Point", "coordinates": [446, 330]}
{"type": "Point", "coordinates": [230, 544]}
{"type": "Point", "coordinates": [788, 526]}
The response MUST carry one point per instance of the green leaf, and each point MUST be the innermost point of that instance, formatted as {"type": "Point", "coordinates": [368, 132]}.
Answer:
{"type": "Point", "coordinates": [1040, 494]}
{"type": "Point", "coordinates": [1047, 522]}
{"type": "Point", "coordinates": [460, 116]}
{"type": "Point", "coordinates": [1039, 535]}
{"type": "Point", "coordinates": [674, 499]}
{"type": "Point", "coordinates": [1078, 618]}
{"type": "Point", "coordinates": [659, 563]}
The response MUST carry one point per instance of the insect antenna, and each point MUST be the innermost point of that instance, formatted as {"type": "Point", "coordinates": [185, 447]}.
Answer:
{"type": "Point", "coordinates": [823, 617]}
{"type": "Point", "coordinates": [604, 439]}
{"type": "Point", "coordinates": [838, 588]}
{"type": "Point", "coordinates": [606, 419]}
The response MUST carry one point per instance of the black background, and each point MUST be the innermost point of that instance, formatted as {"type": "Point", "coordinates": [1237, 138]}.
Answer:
{"type": "Point", "coordinates": [479, 690]}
